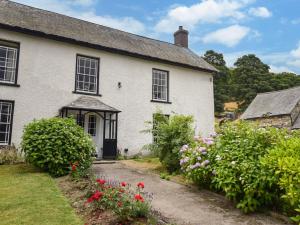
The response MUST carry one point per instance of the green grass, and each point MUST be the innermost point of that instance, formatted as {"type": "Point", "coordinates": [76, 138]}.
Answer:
{"type": "Point", "coordinates": [28, 196]}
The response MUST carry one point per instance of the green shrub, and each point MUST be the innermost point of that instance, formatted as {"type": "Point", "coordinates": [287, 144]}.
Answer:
{"type": "Point", "coordinates": [9, 155]}
{"type": "Point", "coordinates": [170, 135]}
{"type": "Point", "coordinates": [53, 144]}
{"type": "Point", "coordinates": [284, 162]}
{"type": "Point", "coordinates": [239, 173]}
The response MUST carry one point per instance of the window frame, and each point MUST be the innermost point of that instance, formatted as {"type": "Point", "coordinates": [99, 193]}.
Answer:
{"type": "Point", "coordinates": [97, 76]}
{"type": "Point", "coordinates": [89, 128]}
{"type": "Point", "coordinates": [154, 124]}
{"type": "Point", "coordinates": [11, 121]}
{"type": "Point", "coordinates": [18, 44]}
{"type": "Point", "coordinates": [168, 87]}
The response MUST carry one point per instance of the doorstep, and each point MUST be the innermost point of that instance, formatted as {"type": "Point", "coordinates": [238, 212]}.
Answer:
{"type": "Point", "coordinates": [103, 161]}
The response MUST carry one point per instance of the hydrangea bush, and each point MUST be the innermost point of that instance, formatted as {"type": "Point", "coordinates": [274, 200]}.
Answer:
{"type": "Point", "coordinates": [195, 161]}
{"type": "Point", "coordinates": [230, 163]}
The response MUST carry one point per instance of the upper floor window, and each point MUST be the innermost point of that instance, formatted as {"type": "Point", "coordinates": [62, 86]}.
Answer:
{"type": "Point", "coordinates": [87, 75]}
{"type": "Point", "coordinates": [160, 85]}
{"type": "Point", "coordinates": [8, 62]}
{"type": "Point", "coordinates": [6, 114]}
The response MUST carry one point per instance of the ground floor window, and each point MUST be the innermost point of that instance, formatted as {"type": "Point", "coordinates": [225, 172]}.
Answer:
{"type": "Point", "coordinates": [92, 125]}
{"type": "Point", "coordinates": [80, 120]}
{"type": "Point", "coordinates": [157, 119]}
{"type": "Point", "coordinates": [6, 117]}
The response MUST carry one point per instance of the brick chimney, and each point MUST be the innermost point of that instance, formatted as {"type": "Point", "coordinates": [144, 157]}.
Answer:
{"type": "Point", "coordinates": [181, 37]}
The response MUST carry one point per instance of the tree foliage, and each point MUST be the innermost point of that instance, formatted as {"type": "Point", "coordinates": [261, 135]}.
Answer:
{"type": "Point", "coordinates": [242, 83]}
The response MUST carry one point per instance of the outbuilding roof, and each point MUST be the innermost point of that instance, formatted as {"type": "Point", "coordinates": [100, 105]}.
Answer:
{"type": "Point", "coordinates": [52, 25]}
{"type": "Point", "coordinates": [273, 103]}
{"type": "Point", "coordinates": [90, 104]}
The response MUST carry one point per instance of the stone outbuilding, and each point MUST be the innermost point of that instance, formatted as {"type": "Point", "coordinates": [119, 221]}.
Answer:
{"type": "Point", "coordinates": [278, 108]}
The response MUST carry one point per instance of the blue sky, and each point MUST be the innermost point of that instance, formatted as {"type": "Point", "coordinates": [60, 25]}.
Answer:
{"type": "Point", "coordinates": [268, 28]}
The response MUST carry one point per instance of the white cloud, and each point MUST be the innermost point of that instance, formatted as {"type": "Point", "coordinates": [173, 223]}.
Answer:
{"type": "Point", "coordinates": [128, 24]}
{"type": "Point", "coordinates": [207, 11]}
{"type": "Point", "coordinates": [296, 52]}
{"type": "Point", "coordinates": [295, 63]}
{"type": "Point", "coordinates": [82, 2]}
{"type": "Point", "coordinates": [86, 12]}
{"type": "Point", "coordinates": [229, 36]}
{"type": "Point", "coordinates": [260, 12]}
{"type": "Point", "coordinates": [296, 21]}
{"type": "Point", "coordinates": [280, 69]}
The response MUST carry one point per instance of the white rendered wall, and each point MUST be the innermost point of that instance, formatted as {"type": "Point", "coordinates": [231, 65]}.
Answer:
{"type": "Point", "coordinates": [47, 76]}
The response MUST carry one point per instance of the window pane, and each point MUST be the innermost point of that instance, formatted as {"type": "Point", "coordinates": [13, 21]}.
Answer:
{"type": "Point", "coordinates": [160, 85]}
{"type": "Point", "coordinates": [8, 62]}
{"type": "Point", "coordinates": [88, 72]}
{"type": "Point", "coordinates": [5, 122]}
{"type": "Point", "coordinates": [92, 125]}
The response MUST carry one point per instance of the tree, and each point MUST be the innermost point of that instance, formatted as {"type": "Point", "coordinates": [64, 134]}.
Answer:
{"type": "Point", "coordinates": [251, 76]}
{"type": "Point", "coordinates": [221, 79]}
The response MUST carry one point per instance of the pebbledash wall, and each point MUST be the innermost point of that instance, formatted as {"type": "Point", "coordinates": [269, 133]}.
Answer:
{"type": "Point", "coordinates": [46, 77]}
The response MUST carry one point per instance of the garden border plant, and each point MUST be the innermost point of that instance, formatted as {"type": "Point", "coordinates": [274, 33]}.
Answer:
{"type": "Point", "coordinates": [125, 202]}
{"type": "Point", "coordinates": [53, 144]}
{"type": "Point", "coordinates": [255, 167]}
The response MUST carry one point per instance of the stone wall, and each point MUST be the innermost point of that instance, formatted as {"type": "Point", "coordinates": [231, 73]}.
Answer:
{"type": "Point", "coordinates": [295, 113]}
{"type": "Point", "coordinates": [275, 121]}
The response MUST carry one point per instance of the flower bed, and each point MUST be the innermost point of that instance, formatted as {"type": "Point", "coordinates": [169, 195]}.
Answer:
{"type": "Point", "coordinates": [126, 202]}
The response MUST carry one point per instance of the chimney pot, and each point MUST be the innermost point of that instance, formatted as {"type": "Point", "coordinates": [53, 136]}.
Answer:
{"type": "Point", "coordinates": [181, 37]}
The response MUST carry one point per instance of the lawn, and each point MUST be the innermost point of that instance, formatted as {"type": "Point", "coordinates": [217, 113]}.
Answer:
{"type": "Point", "coordinates": [28, 196]}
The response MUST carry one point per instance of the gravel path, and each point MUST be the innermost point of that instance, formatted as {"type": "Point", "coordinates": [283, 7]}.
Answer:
{"type": "Point", "coordinates": [182, 205]}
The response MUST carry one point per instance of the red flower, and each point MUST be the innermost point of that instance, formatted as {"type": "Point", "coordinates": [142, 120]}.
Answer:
{"type": "Point", "coordinates": [120, 204]}
{"type": "Point", "coordinates": [96, 196]}
{"type": "Point", "coordinates": [138, 197]}
{"type": "Point", "coordinates": [141, 185]}
{"type": "Point", "coordinates": [123, 184]}
{"type": "Point", "coordinates": [73, 167]}
{"type": "Point", "coordinates": [100, 181]}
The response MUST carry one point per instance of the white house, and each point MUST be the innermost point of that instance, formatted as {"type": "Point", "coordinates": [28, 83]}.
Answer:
{"type": "Point", "coordinates": [111, 81]}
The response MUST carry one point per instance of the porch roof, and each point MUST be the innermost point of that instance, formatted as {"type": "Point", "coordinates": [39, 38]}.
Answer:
{"type": "Point", "coordinates": [90, 104]}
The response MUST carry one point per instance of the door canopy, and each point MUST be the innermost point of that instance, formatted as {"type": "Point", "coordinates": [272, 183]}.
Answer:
{"type": "Point", "coordinates": [90, 104]}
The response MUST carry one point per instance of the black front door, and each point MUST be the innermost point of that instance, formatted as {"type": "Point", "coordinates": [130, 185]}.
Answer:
{"type": "Point", "coordinates": [110, 135]}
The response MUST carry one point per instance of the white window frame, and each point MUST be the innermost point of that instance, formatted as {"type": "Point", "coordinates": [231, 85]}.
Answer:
{"type": "Point", "coordinates": [8, 122]}
{"type": "Point", "coordinates": [87, 73]}
{"type": "Point", "coordinates": [9, 64]}
{"type": "Point", "coordinates": [160, 85]}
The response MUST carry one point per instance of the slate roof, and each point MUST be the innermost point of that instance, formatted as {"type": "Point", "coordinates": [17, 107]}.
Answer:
{"type": "Point", "coordinates": [297, 123]}
{"type": "Point", "coordinates": [273, 103]}
{"type": "Point", "coordinates": [31, 20]}
{"type": "Point", "coordinates": [91, 104]}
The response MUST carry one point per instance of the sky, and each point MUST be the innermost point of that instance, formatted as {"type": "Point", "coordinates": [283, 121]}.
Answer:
{"type": "Point", "coordinates": [268, 28]}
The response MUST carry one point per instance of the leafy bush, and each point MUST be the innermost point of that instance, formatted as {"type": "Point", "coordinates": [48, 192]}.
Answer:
{"type": "Point", "coordinates": [9, 155]}
{"type": "Point", "coordinates": [170, 135]}
{"type": "Point", "coordinates": [52, 144]}
{"type": "Point", "coordinates": [284, 162]}
{"type": "Point", "coordinates": [239, 172]}
{"type": "Point", "coordinates": [125, 202]}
